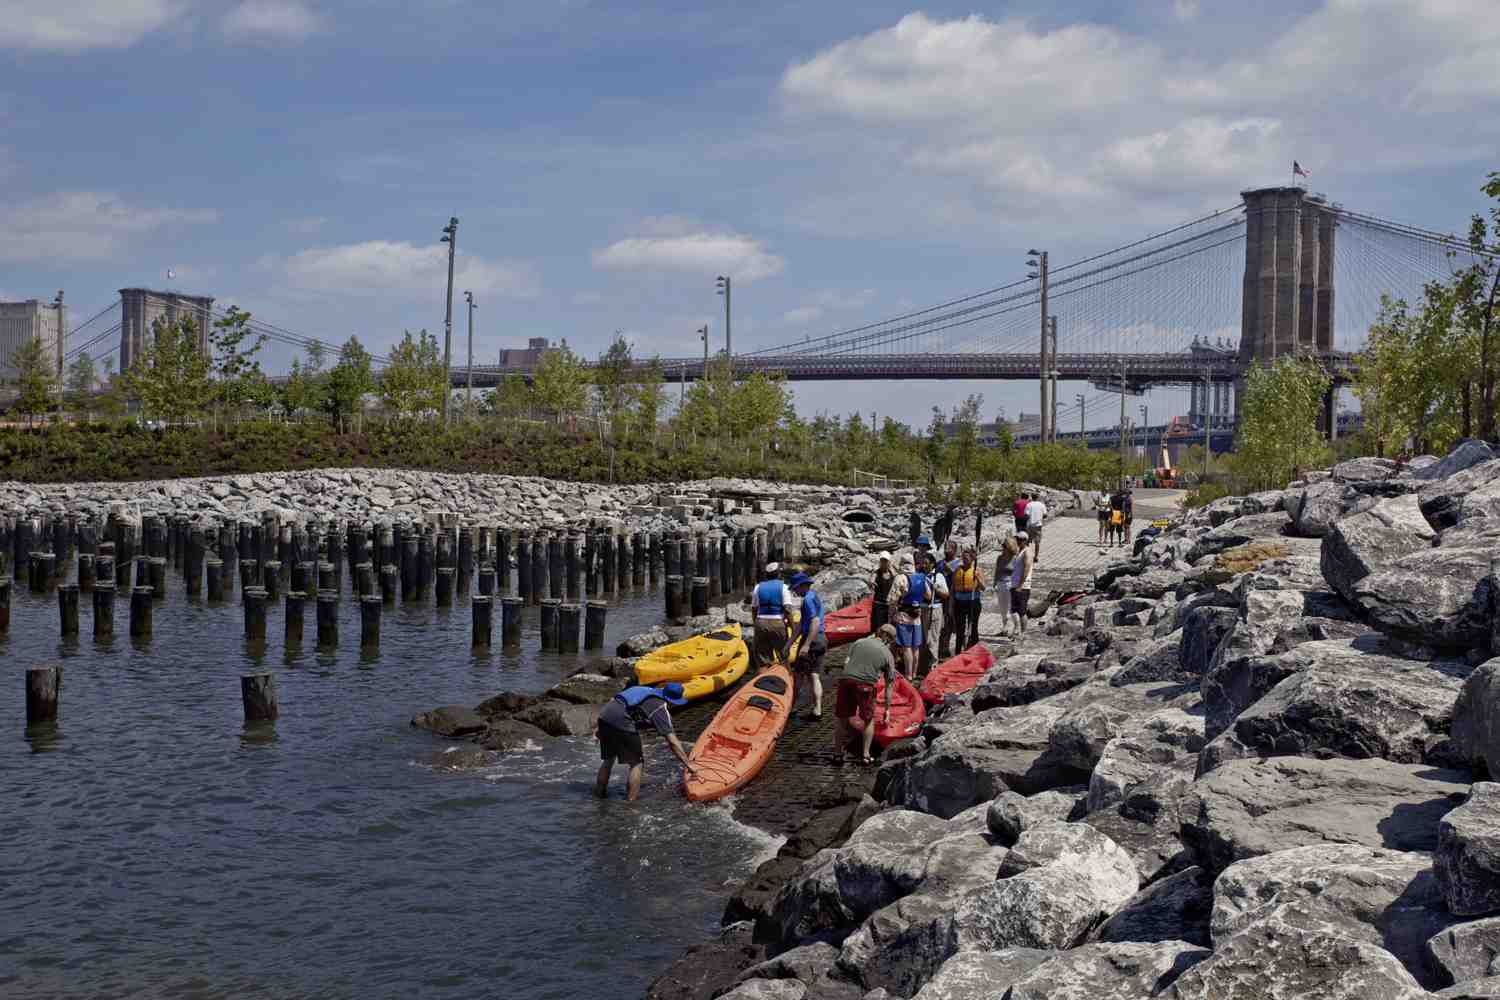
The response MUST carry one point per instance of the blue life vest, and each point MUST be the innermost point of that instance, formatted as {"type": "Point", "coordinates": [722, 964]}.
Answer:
{"type": "Point", "coordinates": [916, 591]}
{"type": "Point", "coordinates": [634, 697]}
{"type": "Point", "coordinates": [768, 602]}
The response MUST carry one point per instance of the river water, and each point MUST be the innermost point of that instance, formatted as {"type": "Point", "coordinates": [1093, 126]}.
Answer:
{"type": "Point", "coordinates": [155, 847]}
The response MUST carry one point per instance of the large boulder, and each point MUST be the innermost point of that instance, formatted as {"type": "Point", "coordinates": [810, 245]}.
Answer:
{"type": "Point", "coordinates": [706, 967]}
{"type": "Point", "coordinates": [1156, 661]}
{"type": "Point", "coordinates": [1289, 955]}
{"type": "Point", "coordinates": [1108, 971]}
{"type": "Point", "coordinates": [1475, 989]}
{"type": "Point", "coordinates": [1468, 853]}
{"type": "Point", "coordinates": [1316, 509]}
{"type": "Point", "coordinates": [1364, 470]}
{"type": "Point", "coordinates": [977, 975]}
{"type": "Point", "coordinates": [1469, 950]}
{"type": "Point", "coordinates": [1147, 751]}
{"type": "Point", "coordinates": [767, 989]}
{"type": "Point", "coordinates": [1247, 808]}
{"type": "Point", "coordinates": [1175, 908]}
{"type": "Point", "coordinates": [560, 718]}
{"type": "Point", "coordinates": [1442, 499]}
{"type": "Point", "coordinates": [815, 966]}
{"type": "Point", "coordinates": [450, 720]}
{"type": "Point", "coordinates": [1009, 687]}
{"type": "Point", "coordinates": [586, 689]}
{"type": "Point", "coordinates": [1476, 718]}
{"type": "Point", "coordinates": [1203, 628]}
{"type": "Point", "coordinates": [1371, 538]}
{"type": "Point", "coordinates": [1386, 898]}
{"type": "Point", "coordinates": [511, 734]}
{"type": "Point", "coordinates": [1236, 533]}
{"type": "Point", "coordinates": [1351, 700]}
{"type": "Point", "coordinates": [1467, 453]}
{"type": "Point", "coordinates": [1229, 684]}
{"type": "Point", "coordinates": [1440, 596]}
{"type": "Point", "coordinates": [1012, 814]}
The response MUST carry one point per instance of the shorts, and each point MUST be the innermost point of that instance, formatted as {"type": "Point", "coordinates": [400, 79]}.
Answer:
{"type": "Point", "coordinates": [1103, 517]}
{"type": "Point", "coordinates": [854, 699]}
{"type": "Point", "coordinates": [1020, 602]}
{"type": "Point", "coordinates": [812, 661]}
{"type": "Point", "coordinates": [909, 636]}
{"type": "Point", "coordinates": [617, 744]}
{"type": "Point", "coordinates": [769, 642]}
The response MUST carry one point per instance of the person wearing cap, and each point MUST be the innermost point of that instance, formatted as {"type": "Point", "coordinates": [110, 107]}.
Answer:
{"type": "Point", "coordinates": [854, 697]}
{"type": "Point", "coordinates": [1020, 583]}
{"type": "Point", "coordinates": [813, 645]}
{"type": "Point", "coordinates": [1036, 513]}
{"type": "Point", "coordinates": [771, 609]}
{"type": "Point", "coordinates": [620, 724]}
{"type": "Point", "coordinates": [885, 577]}
{"type": "Point", "coordinates": [910, 595]}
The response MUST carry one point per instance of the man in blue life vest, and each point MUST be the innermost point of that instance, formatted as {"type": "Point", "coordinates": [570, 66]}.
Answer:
{"type": "Point", "coordinates": [813, 646]}
{"type": "Point", "coordinates": [771, 609]}
{"type": "Point", "coordinates": [620, 724]}
{"type": "Point", "coordinates": [910, 595]}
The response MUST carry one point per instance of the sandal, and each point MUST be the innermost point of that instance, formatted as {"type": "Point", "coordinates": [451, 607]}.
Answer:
{"type": "Point", "coordinates": [866, 761]}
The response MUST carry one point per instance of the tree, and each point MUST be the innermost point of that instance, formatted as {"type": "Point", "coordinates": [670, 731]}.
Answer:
{"type": "Point", "coordinates": [615, 385]}
{"type": "Point", "coordinates": [238, 380]}
{"type": "Point", "coordinates": [114, 401]}
{"type": "Point", "coordinates": [1279, 436]}
{"type": "Point", "coordinates": [412, 382]}
{"type": "Point", "coordinates": [965, 436]}
{"type": "Point", "coordinates": [173, 378]}
{"type": "Point", "coordinates": [512, 398]}
{"type": "Point", "coordinates": [82, 379]}
{"type": "Point", "coordinates": [1476, 302]}
{"type": "Point", "coordinates": [347, 383]}
{"type": "Point", "coordinates": [35, 378]}
{"type": "Point", "coordinates": [305, 389]}
{"type": "Point", "coordinates": [932, 448]}
{"type": "Point", "coordinates": [650, 399]}
{"type": "Point", "coordinates": [561, 383]}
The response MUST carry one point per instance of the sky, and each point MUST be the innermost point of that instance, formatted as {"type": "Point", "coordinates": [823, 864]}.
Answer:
{"type": "Point", "coordinates": [843, 163]}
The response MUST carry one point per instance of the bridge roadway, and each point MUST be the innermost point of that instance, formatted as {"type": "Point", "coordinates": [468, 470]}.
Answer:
{"type": "Point", "coordinates": [1141, 370]}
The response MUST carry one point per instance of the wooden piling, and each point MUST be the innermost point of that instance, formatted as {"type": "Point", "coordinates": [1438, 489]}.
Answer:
{"type": "Point", "coordinates": [85, 572]}
{"type": "Point", "coordinates": [192, 563]}
{"type": "Point", "coordinates": [4, 606]}
{"type": "Point", "coordinates": [42, 569]}
{"type": "Point", "coordinates": [249, 574]}
{"type": "Point", "coordinates": [607, 563]}
{"type": "Point", "coordinates": [510, 621]}
{"type": "Point", "coordinates": [140, 613]}
{"type": "Point", "coordinates": [595, 615]}
{"type": "Point", "coordinates": [466, 552]}
{"type": "Point", "coordinates": [255, 613]}
{"type": "Point", "coordinates": [726, 565]}
{"type": "Point", "coordinates": [328, 576]}
{"type": "Point", "coordinates": [270, 580]}
{"type": "Point", "coordinates": [569, 617]}
{"type": "Point", "coordinates": [713, 565]}
{"type": "Point", "coordinates": [555, 570]}
{"type": "Point", "coordinates": [409, 567]}
{"type": "Point", "coordinates": [653, 557]}
{"type": "Point", "coordinates": [549, 624]}
{"type": "Point", "coordinates": [104, 609]}
{"type": "Point", "coordinates": [638, 555]}
{"type": "Point", "coordinates": [700, 596]}
{"type": "Point", "coordinates": [673, 593]}
{"type": "Point", "coordinates": [672, 547]}
{"type": "Point", "coordinates": [426, 563]}
{"type": "Point", "coordinates": [486, 580]}
{"type": "Point", "coordinates": [370, 606]}
{"type": "Point", "coordinates": [328, 618]}
{"type": "Point", "coordinates": [539, 583]}
{"type": "Point", "coordinates": [623, 560]}
{"type": "Point", "coordinates": [571, 577]}
{"type": "Point", "coordinates": [258, 695]}
{"type": "Point", "coordinates": [67, 608]}
{"type": "Point", "coordinates": [214, 577]}
{"type": "Point", "coordinates": [364, 579]}
{"type": "Point", "coordinates": [304, 575]}
{"type": "Point", "coordinates": [445, 586]}
{"type": "Point", "coordinates": [389, 574]}
{"type": "Point", "coordinates": [503, 540]}
{"type": "Point", "coordinates": [523, 566]}
{"type": "Point", "coordinates": [295, 618]}
{"type": "Point", "coordinates": [42, 684]}
{"type": "Point", "coordinates": [482, 609]}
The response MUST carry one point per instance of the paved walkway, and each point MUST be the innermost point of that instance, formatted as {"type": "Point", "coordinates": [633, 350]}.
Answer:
{"type": "Point", "coordinates": [1070, 545]}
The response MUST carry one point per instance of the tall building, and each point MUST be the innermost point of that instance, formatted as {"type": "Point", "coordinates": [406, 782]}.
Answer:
{"type": "Point", "coordinates": [528, 357]}
{"type": "Point", "coordinates": [21, 321]}
{"type": "Point", "coordinates": [140, 307]}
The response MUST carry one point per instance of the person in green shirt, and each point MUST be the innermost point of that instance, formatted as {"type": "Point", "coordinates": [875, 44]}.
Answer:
{"type": "Point", "coordinates": [854, 699]}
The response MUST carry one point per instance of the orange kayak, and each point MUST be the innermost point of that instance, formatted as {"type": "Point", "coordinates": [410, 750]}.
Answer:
{"type": "Point", "coordinates": [957, 675]}
{"type": "Point", "coordinates": [741, 738]}
{"type": "Point", "coordinates": [907, 712]}
{"type": "Point", "coordinates": [848, 624]}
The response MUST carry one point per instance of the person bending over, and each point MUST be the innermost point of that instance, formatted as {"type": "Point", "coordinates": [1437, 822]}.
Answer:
{"type": "Point", "coordinates": [618, 730]}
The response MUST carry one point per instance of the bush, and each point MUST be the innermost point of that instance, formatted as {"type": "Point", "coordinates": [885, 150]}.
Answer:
{"type": "Point", "coordinates": [1205, 494]}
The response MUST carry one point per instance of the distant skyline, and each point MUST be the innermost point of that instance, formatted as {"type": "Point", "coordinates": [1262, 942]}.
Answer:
{"type": "Point", "coordinates": [607, 160]}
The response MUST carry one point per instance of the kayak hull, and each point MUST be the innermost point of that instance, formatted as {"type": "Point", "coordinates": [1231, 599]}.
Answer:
{"type": "Point", "coordinates": [693, 657]}
{"type": "Point", "coordinates": [958, 674]}
{"type": "Point", "coordinates": [708, 685]}
{"type": "Point", "coordinates": [848, 624]}
{"type": "Point", "coordinates": [908, 712]}
{"type": "Point", "coordinates": [739, 741]}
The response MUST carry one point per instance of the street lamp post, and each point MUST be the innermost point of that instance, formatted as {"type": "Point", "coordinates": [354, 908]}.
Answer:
{"type": "Point", "coordinates": [469, 389]}
{"type": "Point", "coordinates": [450, 237]}
{"type": "Point", "coordinates": [1146, 433]}
{"type": "Point", "coordinates": [1038, 260]}
{"type": "Point", "coordinates": [1083, 427]}
{"type": "Point", "coordinates": [723, 283]}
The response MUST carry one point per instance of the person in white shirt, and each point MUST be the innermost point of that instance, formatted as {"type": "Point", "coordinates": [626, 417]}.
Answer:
{"type": "Point", "coordinates": [1020, 583]}
{"type": "Point", "coordinates": [1036, 513]}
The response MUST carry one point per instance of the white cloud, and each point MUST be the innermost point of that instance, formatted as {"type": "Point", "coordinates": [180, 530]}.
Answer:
{"type": "Point", "coordinates": [386, 266]}
{"type": "Point", "coordinates": [826, 302]}
{"type": "Point", "coordinates": [76, 25]}
{"type": "Point", "coordinates": [272, 21]}
{"type": "Point", "coordinates": [707, 253]}
{"type": "Point", "coordinates": [1185, 10]}
{"type": "Point", "coordinates": [83, 225]}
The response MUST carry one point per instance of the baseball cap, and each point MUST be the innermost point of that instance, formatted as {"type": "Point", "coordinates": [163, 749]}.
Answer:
{"type": "Point", "coordinates": [889, 631]}
{"type": "Point", "coordinates": [800, 579]}
{"type": "Point", "coordinates": [673, 693]}
{"type": "Point", "coordinates": [885, 557]}
{"type": "Point", "coordinates": [1022, 534]}
{"type": "Point", "coordinates": [773, 567]}
{"type": "Point", "coordinates": [923, 540]}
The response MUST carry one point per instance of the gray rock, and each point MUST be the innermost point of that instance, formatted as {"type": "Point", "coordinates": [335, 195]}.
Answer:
{"type": "Point", "coordinates": [643, 642]}
{"type": "Point", "coordinates": [1440, 596]}
{"type": "Point", "coordinates": [560, 718]}
{"type": "Point", "coordinates": [1009, 688]}
{"type": "Point", "coordinates": [1348, 699]}
{"type": "Point", "coordinates": [813, 965]}
{"type": "Point", "coordinates": [1476, 718]}
{"type": "Point", "coordinates": [1011, 813]}
{"type": "Point", "coordinates": [1203, 628]}
{"type": "Point", "coordinates": [1175, 908]}
{"type": "Point", "coordinates": [450, 720]}
{"type": "Point", "coordinates": [979, 975]}
{"type": "Point", "coordinates": [1373, 538]}
{"type": "Point", "coordinates": [1079, 736]}
{"type": "Point", "coordinates": [1442, 498]}
{"type": "Point", "coordinates": [1247, 808]}
{"type": "Point", "coordinates": [1363, 470]}
{"type": "Point", "coordinates": [767, 989]}
{"type": "Point", "coordinates": [1287, 956]}
{"type": "Point", "coordinates": [509, 734]}
{"type": "Point", "coordinates": [1466, 454]}
{"type": "Point", "coordinates": [1474, 989]}
{"type": "Point", "coordinates": [1231, 683]}
{"type": "Point", "coordinates": [1316, 509]}
{"type": "Point", "coordinates": [1108, 971]}
{"type": "Point", "coordinates": [1150, 838]}
{"type": "Point", "coordinates": [586, 689]}
{"type": "Point", "coordinates": [1166, 741]}
{"type": "Point", "coordinates": [1467, 861]}
{"type": "Point", "coordinates": [1159, 660]}
{"type": "Point", "coordinates": [1466, 951]}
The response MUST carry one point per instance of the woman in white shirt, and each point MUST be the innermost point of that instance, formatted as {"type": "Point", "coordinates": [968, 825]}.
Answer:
{"type": "Point", "coordinates": [1020, 582]}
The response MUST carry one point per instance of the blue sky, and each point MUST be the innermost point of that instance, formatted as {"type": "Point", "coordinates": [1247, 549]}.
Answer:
{"type": "Point", "coordinates": [607, 160]}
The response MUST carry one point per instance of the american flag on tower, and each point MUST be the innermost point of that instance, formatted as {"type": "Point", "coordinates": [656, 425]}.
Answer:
{"type": "Point", "coordinates": [1297, 170]}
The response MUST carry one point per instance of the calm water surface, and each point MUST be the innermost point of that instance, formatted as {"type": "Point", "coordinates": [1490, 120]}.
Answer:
{"type": "Point", "coordinates": [154, 847]}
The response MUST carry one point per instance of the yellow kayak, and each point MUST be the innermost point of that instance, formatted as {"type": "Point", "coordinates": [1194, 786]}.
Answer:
{"type": "Point", "coordinates": [682, 661]}
{"type": "Point", "coordinates": [705, 685]}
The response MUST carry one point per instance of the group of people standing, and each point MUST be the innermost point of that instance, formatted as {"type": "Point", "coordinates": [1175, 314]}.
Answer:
{"type": "Point", "coordinates": [1115, 512]}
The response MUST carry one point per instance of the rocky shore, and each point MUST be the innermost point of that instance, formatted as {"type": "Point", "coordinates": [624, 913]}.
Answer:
{"type": "Point", "coordinates": [1250, 765]}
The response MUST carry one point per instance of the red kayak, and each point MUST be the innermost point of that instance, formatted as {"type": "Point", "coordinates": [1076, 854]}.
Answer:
{"type": "Point", "coordinates": [957, 675]}
{"type": "Point", "coordinates": [907, 712]}
{"type": "Point", "coordinates": [848, 624]}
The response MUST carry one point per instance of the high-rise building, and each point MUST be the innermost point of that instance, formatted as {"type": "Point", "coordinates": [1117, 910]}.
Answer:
{"type": "Point", "coordinates": [525, 357]}
{"type": "Point", "coordinates": [21, 321]}
{"type": "Point", "coordinates": [140, 307]}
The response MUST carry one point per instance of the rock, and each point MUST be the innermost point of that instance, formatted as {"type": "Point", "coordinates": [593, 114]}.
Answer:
{"type": "Point", "coordinates": [1232, 683]}
{"type": "Point", "coordinates": [560, 718]}
{"type": "Point", "coordinates": [703, 968]}
{"type": "Point", "coordinates": [643, 642]}
{"type": "Point", "coordinates": [1474, 989]}
{"type": "Point", "coordinates": [1442, 499]}
{"type": "Point", "coordinates": [974, 975]}
{"type": "Point", "coordinates": [767, 989]}
{"type": "Point", "coordinates": [504, 704]}
{"type": "Point", "coordinates": [1316, 509]}
{"type": "Point", "coordinates": [1108, 971]}
{"type": "Point", "coordinates": [1370, 539]}
{"type": "Point", "coordinates": [1175, 908]}
{"type": "Point", "coordinates": [1281, 957]}
{"type": "Point", "coordinates": [1466, 454]}
{"type": "Point", "coordinates": [1440, 596]}
{"type": "Point", "coordinates": [1159, 660]}
{"type": "Point", "coordinates": [1011, 814]}
{"type": "Point", "coordinates": [1347, 699]}
{"type": "Point", "coordinates": [1476, 718]}
{"type": "Point", "coordinates": [1150, 584]}
{"type": "Point", "coordinates": [1144, 752]}
{"type": "Point", "coordinates": [1203, 628]}
{"type": "Point", "coordinates": [1078, 737]}
{"type": "Point", "coordinates": [1152, 842]}
{"type": "Point", "coordinates": [1364, 470]}
{"type": "Point", "coordinates": [1467, 861]}
{"type": "Point", "coordinates": [510, 734]}
{"type": "Point", "coordinates": [1247, 808]}
{"type": "Point", "coordinates": [450, 720]}
{"type": "Point", "coordinates": [1010, 687]}
{"type": "Point", "coordinates": [1386, 898]}
{"type": "Point", "coordinates": [812, 965]}
{"type": "Point", "coordinates": [1466, 951]}
{"type": "Point", "coordinates": [586, 689]}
